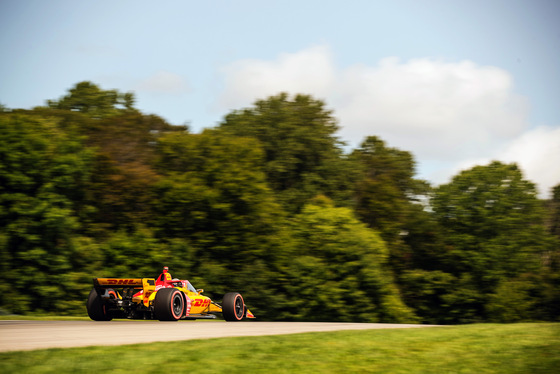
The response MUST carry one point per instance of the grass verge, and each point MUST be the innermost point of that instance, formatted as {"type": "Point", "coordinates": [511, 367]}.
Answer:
{"type": "Point", "coordinates": [483, 348]}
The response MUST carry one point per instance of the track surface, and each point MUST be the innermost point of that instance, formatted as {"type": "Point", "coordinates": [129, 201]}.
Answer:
{"type": "Point", "coordinates": [29, 335]}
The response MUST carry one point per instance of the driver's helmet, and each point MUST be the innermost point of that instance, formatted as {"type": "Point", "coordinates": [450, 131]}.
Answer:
{"type": "Point", "coordinates": [164, 276]}
{"type": "Point", "coordinates": [166, 272]}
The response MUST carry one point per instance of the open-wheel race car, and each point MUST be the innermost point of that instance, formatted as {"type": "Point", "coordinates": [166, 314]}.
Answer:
{"type": "Point", "coordinates": [163, 298]}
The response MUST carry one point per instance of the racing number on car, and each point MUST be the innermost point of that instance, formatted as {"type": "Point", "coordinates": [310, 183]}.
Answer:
{"type": "Point", "coordinates": [201, 302]}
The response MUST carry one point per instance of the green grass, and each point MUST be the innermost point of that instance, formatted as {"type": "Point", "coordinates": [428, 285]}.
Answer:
{"type": "Point", "coordinates": [483, 348]}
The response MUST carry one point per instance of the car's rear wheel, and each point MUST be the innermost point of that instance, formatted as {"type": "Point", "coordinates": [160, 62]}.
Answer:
{"type": "Point", "coordinates": [233, 307]}
{"type": "Point", "coordinates": [169, 304]}
{"type": "Point", "coordinates": [96, 308]}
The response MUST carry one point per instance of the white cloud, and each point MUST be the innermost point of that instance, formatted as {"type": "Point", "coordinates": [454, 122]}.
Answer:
{"type": "Point", "coordinates": [163, 82]}
{"type": "Point", "coordinates": [310, 72]}
{"type": "Point", "coordinates": [537, 152]}
{"type": "Point", "coordinates": [437, 109]}
{"type": "Point", "coordinates": [448, 114]}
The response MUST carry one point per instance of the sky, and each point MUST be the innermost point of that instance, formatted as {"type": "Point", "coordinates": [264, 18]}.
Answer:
{"type": "Point", "coordinates": [457, 83]}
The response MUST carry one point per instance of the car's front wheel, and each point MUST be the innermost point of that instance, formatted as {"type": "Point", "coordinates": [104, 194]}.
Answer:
{"type": "Point", "coordinates": [169, 304]}
{"type": "Point", "coordinates": [233, 307]}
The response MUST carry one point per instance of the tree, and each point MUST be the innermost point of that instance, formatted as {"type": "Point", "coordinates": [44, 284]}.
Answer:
{"type": "Point", "coordinates": [339, 270]}
{"type": "Point", "coordinates": [386, 187]}
{"type": "Point", "coordinates": [88, 98]}
{"type": "Point", "coordinates": [123, 175]}
{"type": "Point", "coordinates": [494, 229]}
{"type": "Point", "coordinates": [553, 207]}
{"type": "Point", "coordinates": [389, 199]}
{"type": "Point", "coordinates": [214, 194]}
{"type": "Point", "coordinates": [43, 174]}
{"type": "Point", "coordinates": [301, 153]}
{"type": "Point", "coordinates": [550, 304]}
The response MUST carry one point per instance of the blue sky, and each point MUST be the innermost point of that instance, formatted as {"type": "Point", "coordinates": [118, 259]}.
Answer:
{"type": "Point", "coordinates": [457, 83]}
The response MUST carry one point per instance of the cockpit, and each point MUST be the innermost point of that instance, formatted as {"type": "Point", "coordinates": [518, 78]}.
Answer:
{"type": "Point", "coordinates": [191, 288]}
{"type": "Point", "coordinates": [165, 280]}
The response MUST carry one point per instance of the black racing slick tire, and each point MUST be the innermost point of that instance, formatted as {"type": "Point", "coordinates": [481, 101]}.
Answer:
{"type": "Point", "coordinates": [233, 307]}
{"type": "Point", "coordinates": [169, 304]}
{"type": "Point", "coordinates": [96, 307]}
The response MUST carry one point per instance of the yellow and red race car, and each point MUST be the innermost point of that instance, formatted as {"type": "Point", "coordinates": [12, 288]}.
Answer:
{"type": "Point", "coordinates": [163, 298]}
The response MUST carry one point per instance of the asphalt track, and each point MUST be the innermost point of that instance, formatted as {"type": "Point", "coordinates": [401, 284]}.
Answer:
{"type": "Point", "coordinates": [29, 335]}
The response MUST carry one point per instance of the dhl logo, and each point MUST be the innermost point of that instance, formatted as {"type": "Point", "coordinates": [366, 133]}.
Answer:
{"type": "Point", "coordinates": [120, 282]}
{"type": "Point", "coordinates": [201, 302]}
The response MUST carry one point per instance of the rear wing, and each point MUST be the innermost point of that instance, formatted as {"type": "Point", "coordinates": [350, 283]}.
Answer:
{"type": "Point", "coordinates": [123, 282]}
{"type": "Point", "coordinates": [135, 282]}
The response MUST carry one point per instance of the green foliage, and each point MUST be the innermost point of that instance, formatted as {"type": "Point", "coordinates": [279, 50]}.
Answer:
{"type": "Point", "coordinates": [494, 233]}
{"type": "Point", "coordinates": [386, 188]}
{"type": "Point", "coordinates": [302, 156]}
{"type": "Point", "coordinates": [339, 270]}
{"type": "Point", "coordinates": [266, 204]}
{"type": "Point", "coordinates": [494, 222]}
{"type": "Point", "coordinates": [215, 194]}
{"type": "Point", "coordinates": [88, 98]}
{"type": "Point", "coordinates": [424, 291]}
{"type": "Point", "coordinates": [512, 301]}
{"type": "Point", "coordinates": [388, 199]}
{"type": "Point", "coordinates": [554, 209]}
{"type": "Point", "coordinates": [42, 177]}
{"type": "Point", "coordinates": [123, 177]}
{"type": "Point", "coordinates": [551, 259]}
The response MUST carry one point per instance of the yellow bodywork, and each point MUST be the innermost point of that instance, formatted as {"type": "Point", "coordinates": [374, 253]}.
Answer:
{"type": "Point", "coordinates": [147, 290]}
{"type": "Point", "coordinates": [199, 304]}
{"type": "Point", "coordinates": [144, 291]}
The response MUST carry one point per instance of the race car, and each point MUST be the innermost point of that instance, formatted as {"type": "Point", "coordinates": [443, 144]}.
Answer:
{"type": "Point", "coordinates": [163, 298]}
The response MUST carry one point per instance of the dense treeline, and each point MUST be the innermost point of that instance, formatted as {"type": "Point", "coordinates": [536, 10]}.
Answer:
{"type": "Point", "coordinates": [267, 203]}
